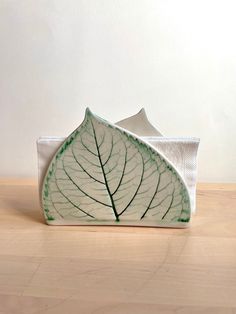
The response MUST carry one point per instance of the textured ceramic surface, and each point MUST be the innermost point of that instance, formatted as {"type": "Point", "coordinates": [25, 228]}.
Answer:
{"type": "Point", "coordinates": [103, 174]}
{"type": "Point", "coordinates": [139, 125]}
{"type": "Point", "coordinates": [180, 151]}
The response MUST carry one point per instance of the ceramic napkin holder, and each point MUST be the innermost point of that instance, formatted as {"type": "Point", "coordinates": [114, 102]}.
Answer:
{"type": "Point", "coordinates": [117, 174]}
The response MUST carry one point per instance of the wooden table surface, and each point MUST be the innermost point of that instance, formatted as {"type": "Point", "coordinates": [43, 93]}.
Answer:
{"type": "Point", "coordinates": [117, 270]}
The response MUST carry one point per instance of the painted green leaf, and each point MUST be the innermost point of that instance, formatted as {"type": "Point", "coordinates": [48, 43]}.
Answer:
{"type": "Point", "coordinates": [102, 173]}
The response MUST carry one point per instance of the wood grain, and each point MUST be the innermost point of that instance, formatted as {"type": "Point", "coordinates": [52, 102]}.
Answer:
{"type": "Point", "coordinates": [114, 270]}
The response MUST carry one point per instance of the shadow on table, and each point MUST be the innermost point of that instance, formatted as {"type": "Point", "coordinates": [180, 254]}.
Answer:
{"type": "Point", "coordinates": [21, 200]}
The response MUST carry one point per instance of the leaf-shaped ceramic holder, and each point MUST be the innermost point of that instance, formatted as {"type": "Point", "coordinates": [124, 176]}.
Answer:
{"type": "Point", "coordinates": [123, 174]}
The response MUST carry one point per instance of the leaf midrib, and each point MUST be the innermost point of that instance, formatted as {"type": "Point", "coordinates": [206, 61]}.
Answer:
{"type": "Point", "coordinates": [104, 175]}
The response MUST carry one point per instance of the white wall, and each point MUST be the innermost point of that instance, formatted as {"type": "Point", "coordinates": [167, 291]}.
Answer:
{"type": "Point", "coordinates": [176, 58]}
